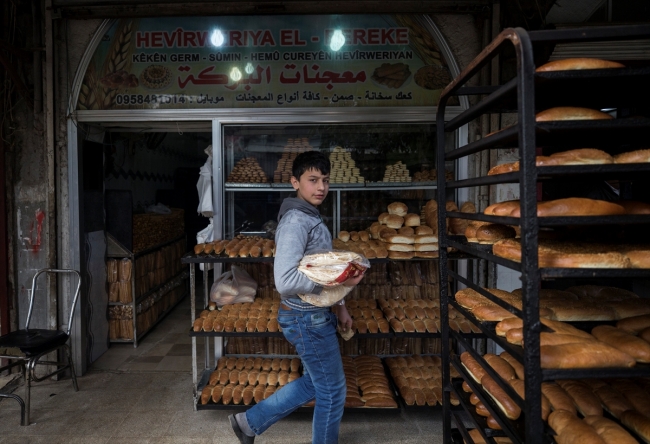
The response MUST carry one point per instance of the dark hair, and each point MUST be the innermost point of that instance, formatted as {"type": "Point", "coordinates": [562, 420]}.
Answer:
{"type": "Point", "coordinates": [310, 160]}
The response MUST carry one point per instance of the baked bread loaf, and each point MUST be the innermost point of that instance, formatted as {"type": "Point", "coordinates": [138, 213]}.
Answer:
{"type": "Point", "coordinates": [638, 156]}
{"type": "Point", "coordinates": [426, 247]}
{"type": "Point", "coordinates": [637, 422]}
{"type": "Point", "coordinates": [401, 254]}
{"type": "Point", "coordinates": [572, 430]}
{"type": "Point", "coordinates": [502, 208]}
{"type": "Point", "coordinates": [578, 63]}
{"type": "Point", "coordinates": [623, 341]}
{"type": "Point", "coordinates": [574, 206]}
{"type": "Point", "coordinates": [457, 225]}
{"type": "Point", "coordinates": [472, 227]}
{"type": "Point", "coordinates": [425, 239]}
{"type": "Point", "coordinates": [406, 231]}
{"type": "Point", "coordinates": [613, 401]}
{"type": "Point", "coordinates": [489, 234]}
{"type": "Point", "coordinates": [557, 254]}
{"type": "Point", "coordinates": [634, 324]}
{"type": "Point", "coordinates": [472, 366]}
{"type": "Point", "coordinates": [609, 431]}
{"type": "Point", "coordinates": [430, 211]}
{"type": "Point", "coordinates": [584, 355]}
{"type": "Point", "coordinates": [634, 207]}
{"type": "Point", "coordinates": [570, 113]}
{"type": "Point", "coordinates": [638, 256]}
{"type": "Point", "coordinates": [586, 402]}
{"type": "Point", "coordinates": [398, 208]}
{"type": "Point", "coordinates": [399, 239]}
{"type": "Point", "coordinates": [580, 156]}
{"type": "Point", "coordinates": [499, 396]}
{"type": "Point", "coordinates": [382, 218]}
{"type": "Point", "coordinates": [558, 397]}
{"type": "Point", "coordinates": [516, 365]}
{"type": "Point", "coordinates": [504, 168]}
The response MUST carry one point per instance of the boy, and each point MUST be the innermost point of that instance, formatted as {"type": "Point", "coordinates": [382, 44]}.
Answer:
{"type": "Point", "coordinates": [310, 329]}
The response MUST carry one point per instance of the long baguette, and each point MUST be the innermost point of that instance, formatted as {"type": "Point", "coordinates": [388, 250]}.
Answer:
{"type": "Point", "coordinates": [623, 341]}
{"type": "Point", "coordinates": [584, 355]}
{"type": "Point", "coordinates": [572, 430]}
{"type": "Point", "coordinates": [559, 399]}
{"type": "Point", "coordinates": [637, 422]}
{"type": "Point", "coordinates": [611, 432]}
{"type": "Point", "coordinates": [584, 399]}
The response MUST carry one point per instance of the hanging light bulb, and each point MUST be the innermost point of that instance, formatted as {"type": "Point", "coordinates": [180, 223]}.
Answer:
{"type": "Point", "coordinates": [249, 68]}
{"type": "Point", "coordinates": [338, 39]}
{"type": "Point", "coordinates": [217, 37]}
{"type": "Point", "coordinates": [235, 74]}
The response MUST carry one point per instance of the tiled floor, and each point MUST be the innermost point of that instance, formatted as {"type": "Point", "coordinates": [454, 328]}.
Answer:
{"type": "Point", "coordinates": [144, 395]}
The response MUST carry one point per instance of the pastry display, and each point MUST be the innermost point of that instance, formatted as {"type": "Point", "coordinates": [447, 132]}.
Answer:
{"type": "Point", "coordinates": [247, 170]}
{"type": "Point", "coordinates": [249, 317]}
{"type": "Point", "coordinates": [343, 167]}
{"type": "Point", "coordinates": [294, 146]}
{"type": "Point", "coordinates": [397, 172]}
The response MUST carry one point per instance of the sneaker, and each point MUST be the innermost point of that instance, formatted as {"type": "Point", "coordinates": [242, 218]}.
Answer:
{"type": "Point", "coordinates": [243, 438]}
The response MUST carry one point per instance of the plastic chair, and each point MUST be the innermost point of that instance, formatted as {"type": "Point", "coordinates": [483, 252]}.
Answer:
{"type": "Point", "coordinates": [33, 344]}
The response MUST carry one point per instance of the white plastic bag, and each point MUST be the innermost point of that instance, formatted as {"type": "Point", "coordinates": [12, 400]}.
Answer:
{"type": "Point", "coordinates": [330, 269]}
{"type": "Point", "coordinates": [203, 237]}
{"type": "Point", "coordinates": [233, 287]}
{"type": "Point", "coordinates": [204, 187]}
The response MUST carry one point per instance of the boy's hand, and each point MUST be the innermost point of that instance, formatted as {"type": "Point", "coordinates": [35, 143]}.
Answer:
{"type": "Point", "coordinates": [341, 312]}
{"type": "Point", "coordinates": [354, 280]}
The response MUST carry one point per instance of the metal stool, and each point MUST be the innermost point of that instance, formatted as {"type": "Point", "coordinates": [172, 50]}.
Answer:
{"type": "Point", "coordinates": [36, 343]}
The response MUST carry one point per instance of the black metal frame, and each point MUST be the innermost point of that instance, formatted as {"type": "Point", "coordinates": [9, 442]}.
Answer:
{"type": "Point", "coordinates": [521, 94]}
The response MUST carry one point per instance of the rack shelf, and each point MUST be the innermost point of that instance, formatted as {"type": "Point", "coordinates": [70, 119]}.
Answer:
{"type": "Point", "coordinates": [526, 94]}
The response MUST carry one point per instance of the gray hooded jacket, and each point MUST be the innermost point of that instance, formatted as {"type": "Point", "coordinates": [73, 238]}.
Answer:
{"type": "Point", "coordinates": [300, 231]}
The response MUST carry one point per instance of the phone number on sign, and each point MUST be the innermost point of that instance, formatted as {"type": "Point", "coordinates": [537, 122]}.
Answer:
{"type": "Point", "coordinates": [141, 99]}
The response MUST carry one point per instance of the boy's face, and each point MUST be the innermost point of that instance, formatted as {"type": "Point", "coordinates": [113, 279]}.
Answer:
{"type": "Point", "coordinates": [312, 186]}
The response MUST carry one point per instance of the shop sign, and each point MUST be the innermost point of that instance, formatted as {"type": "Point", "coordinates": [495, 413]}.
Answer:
{"type": "Point", "coordinates": [264, 62]}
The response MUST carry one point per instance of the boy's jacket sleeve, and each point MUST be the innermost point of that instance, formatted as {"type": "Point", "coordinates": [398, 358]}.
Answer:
{"type": "Point", "coordinates": [290, 245]}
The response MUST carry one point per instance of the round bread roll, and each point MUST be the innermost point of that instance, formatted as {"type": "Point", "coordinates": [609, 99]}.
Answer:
{"type": "Point", "coordinates": [384, 232]}
{"type": "Point", "coordinates": [412, 220]}
{"type": "Point", "coordinates": [344, 236]}
{"type": "Point", "coordinates": [427, 255]}
{"type": "Point", "coordinates": [398, 208]}
{"type": "Point", "coordinates": [570, 113]}
{"type": "Point", "coordinates": [394, 221]}
{"type": "Point", "coordinates": [382, 218]}
{"type": "Point", "coordinates": [638, 156]}
{"type": "Point", "coordinates": [406, 231]}
{"type": "Point", "coordinates": [577, 63]}
{"type": "Point", "coordinates": [426, 247]}
{"type": "Point", "coordinates": [364, 236]}
{"type": "Point", "coordinates": [423, 229]}
{"type": "Point", "coordinates": [425, 238]}
{"type": "Point", "coordinates": [374, 230]}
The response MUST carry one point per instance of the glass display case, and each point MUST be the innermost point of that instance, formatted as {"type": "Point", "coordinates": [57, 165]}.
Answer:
{"type": "Point", "coordinates": [372, 166]}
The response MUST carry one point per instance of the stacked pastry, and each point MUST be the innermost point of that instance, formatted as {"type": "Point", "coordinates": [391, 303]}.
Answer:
{"type": "Point", "coordinates": [294, 146]}
{"type": "Point", "coordinates": [367, 318]}
{"type": "Point", "coordinates": [397, 172]}
{"type": "Point", "coordinates": [343, 169]}
{"type": "Point", "coordinates": [244, 380]}
{"type": "Point", "coordinates": [418, 378]}
{"type": "Point", "coordinates": [240, 246]}
{"type": "Point", "coordinates": [425, 175]}
{"type": "Point", "coordinates": [247, 170]}
{"type": "Point", "coordinates": [248, 317]}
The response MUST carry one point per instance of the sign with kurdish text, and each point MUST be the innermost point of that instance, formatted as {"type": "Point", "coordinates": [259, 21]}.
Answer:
{"type": "Point", "coordinates": [264, 62]}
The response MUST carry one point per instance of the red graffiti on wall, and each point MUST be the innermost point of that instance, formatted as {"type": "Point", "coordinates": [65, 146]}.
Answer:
{"type": "Point", "coordinates": [35, 240]}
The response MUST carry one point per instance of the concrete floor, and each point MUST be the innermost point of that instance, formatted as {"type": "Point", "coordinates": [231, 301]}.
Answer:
{"type": "Point", "coordinates": [144, 395]}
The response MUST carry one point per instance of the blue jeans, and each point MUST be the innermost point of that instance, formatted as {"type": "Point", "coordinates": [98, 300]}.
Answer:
{"type": "Point", "coordinates": [313, 333]}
